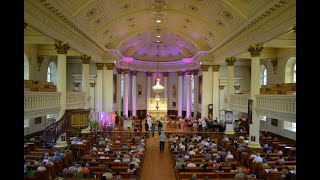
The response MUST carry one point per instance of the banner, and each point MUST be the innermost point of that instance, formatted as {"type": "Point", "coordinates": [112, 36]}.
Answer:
{"type": "Point", "coordinates": [250, 111]}
{"type": "Point", "coordinates": [229, 117]}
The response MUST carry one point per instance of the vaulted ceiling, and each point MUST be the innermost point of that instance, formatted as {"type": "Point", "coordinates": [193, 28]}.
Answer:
{"type": "Point", "coordinates": [187, 26]}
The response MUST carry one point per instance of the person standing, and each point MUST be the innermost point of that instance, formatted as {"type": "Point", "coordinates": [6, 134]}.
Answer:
{"type": "Point", "coordinates": [162, 138]}
{"type": "Point", "coordinates": [152, 130]}
{"type": "Point", "coordinates": [159, 127]}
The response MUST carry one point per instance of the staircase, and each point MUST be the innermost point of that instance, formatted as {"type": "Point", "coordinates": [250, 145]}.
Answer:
{"type": "Point", "coordinates": [52, 132]}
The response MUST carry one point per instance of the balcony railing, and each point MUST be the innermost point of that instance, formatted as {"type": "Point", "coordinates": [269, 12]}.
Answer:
{"type": "Point", "coordinates": [239, 102]}
{"type": "Point", "coordinates": [277, 106]}
{"type": "Point", "coordinates": [38, 104]}
{"type": "Point", "coordinates": [76, 100]}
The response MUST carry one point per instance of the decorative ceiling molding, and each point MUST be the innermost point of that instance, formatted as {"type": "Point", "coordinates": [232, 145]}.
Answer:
{"type": "Point", "coordinates": [273, 22]}
{"type": "Point", "coordinates": [39, 19]}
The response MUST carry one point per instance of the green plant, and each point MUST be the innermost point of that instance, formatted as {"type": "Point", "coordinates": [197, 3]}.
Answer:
{"type": "Point", "coordinates": [94, 124]}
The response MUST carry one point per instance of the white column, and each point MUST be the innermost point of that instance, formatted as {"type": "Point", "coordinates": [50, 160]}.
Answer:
{"type": "Point", "coordinates": [188, 102]}
{"type": "Point", "coordinates": [126, 92]}
{"type": "Point", "coordinates": [85, 78]}
{"type": "Point", "coordinates": [165, 84]}
{"type": "Point", "coordinates": [134, 93]}
{"type": "Point", "coordinates": [221, 102]}
{"type": "Point", "coordinates": [99, 87]}
{"type": "Point", "coordinates": [206, 90]}
{"type": "Point", "coordinates": [148, 87]}
{"type": "Point", "coordinates": [118, 91]}
{"type": "Point", "coordinates": [92, 95]}
{"type": "Point", "coordinates": [215, 95]}
{"type": "Point", "coordinates": [107, 88]}
{"type": "Point", "coordinates": [255, 90]}
{"type": "Point", "coordinates": [230, 90]}
{"type": "Point", "coordinates": [196, 92]}
{"type": "Point", "coordinates": [62, 75]}
{"type": "Point", "coordinates": [180, 74]}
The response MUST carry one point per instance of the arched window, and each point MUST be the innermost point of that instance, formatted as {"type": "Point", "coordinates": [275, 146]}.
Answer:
{"type": "Point", "coordinates": [263, 75]}
{"type": "Point", "coordinates": [290, 70]}
{"type": "Point", "coordinates": [52, 73]}
{"type": "Point", "coordinates": [26, 68]}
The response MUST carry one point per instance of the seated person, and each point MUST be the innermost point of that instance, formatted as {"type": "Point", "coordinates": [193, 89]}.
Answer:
{"type": "Point", "coordinates": [37, 162]}
{"type": "Point", "coordinates": [234, 168]}
{"type": "Point", "coordinates": [219, 169]}
{"type": "Point", "coordinates": [131, 168]}
{"type": "Point", "coordinates": [41, 167]}
{"type": "Point", "coordinates": [240, 174]}
{"type": "Point", "coordinates": [134, 175]}
{"type": "Point", "coordinates": [56, 157]}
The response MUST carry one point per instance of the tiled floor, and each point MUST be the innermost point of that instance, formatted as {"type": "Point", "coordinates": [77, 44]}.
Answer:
{"type": "Point", "coordinates": [157, 166]}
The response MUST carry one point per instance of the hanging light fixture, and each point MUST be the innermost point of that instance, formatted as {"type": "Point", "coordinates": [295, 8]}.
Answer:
{"type": "Point", "coordinates": [158, 87]}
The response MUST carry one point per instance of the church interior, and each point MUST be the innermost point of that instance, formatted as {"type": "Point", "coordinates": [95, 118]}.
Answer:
{"type": "Point", "coordinates": [211, 83]}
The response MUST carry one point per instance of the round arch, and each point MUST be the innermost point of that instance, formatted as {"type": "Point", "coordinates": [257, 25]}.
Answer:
{"type": "Point", "coordinates": [52, 72]}
{"type": "Point", "coordinates": [289, 70]}
{"type": "Point", "coordinates": [263, 75]}
{"type": "Point", "coordinates": [26, 68]}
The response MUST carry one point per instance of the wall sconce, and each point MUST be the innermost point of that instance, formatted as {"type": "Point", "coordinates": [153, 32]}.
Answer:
{"type": "Point", "coordinates": [274, 62]}
{"type": "Point", "coordinates": [40, 59]}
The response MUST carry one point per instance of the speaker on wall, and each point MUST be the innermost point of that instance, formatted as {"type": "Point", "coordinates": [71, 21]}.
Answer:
{"type": "Point", "coordinates": [210, 109]}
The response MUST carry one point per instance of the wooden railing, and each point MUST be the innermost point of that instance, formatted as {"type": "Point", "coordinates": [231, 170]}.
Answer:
{"type": "Point", "coordinates": [52, 132]}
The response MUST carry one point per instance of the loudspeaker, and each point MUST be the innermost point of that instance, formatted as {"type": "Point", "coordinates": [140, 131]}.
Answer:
{"type": "Point", "coordinates": [210, 109]}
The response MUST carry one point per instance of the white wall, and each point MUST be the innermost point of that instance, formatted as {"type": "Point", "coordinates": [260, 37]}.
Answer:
{"type": "Point", "coordinates": [266, 126]}
{"type": "Point", "coordinates": [142, 99]}
{"type": "Point", "coordinates": [35, 127]}
{"type": "Point", "coordinates": [172, 80]}
{"type": "Point", "coordinates": [242, 72]}
{"type": "Point", "coordinates": [283, 56]}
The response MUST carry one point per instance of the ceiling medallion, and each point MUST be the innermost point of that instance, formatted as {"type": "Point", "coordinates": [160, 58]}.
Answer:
{"type": "Point", "coordinates": [227, 15]}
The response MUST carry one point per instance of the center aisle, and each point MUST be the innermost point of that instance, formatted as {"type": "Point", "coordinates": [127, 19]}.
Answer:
{"type": "Point", "coordinates": [157, 166]}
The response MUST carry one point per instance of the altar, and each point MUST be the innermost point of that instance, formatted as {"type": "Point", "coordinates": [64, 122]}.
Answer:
{"type": "Point", "coordinates": [157, 108]}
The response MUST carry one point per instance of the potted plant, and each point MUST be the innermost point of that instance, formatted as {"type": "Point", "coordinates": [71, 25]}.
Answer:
{"type": "Point", "coordinates": [93, 124]}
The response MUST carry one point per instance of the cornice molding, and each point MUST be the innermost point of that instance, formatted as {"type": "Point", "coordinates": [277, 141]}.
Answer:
{"type": "Point", "coordinates": [270, 23]}
{"type": "Point", "coordinates": [37, 15]}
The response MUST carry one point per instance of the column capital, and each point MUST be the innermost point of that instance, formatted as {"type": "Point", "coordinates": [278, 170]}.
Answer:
{"type": "Point", "coordinates": [230, 61]}
{"type": "Point", "coordinates": [189, 72]}
{"type": "Point", "coordinates": [134, 73]}
{"type": "Point", "coordinates": [99, 66]}
{"type": "Point", "coordinates": [237, 87]}
{"type": "Point", "coordinates": [109, 66]}
{"type": "Point", "coordinates": [165, 74]}
{"type": "Point", "coordinates": [180, 73]}
{"type": "Point", "coordinates": [255, 50]}
{"type": "Point", "coordinates": [119, 71]}
{"type": "Point", "coordinates": [216, 68]}
{"type": "Point", "coordinates": [61, 48]}
{"type": "Point", "coordinates": [126, 71]}
{"type": "Point", "coordinates": [221, 87]}
{"type": "Point", "coordinates": [205, 67]}
{"type": "Point", "coordinates": [92, 84]}
{"type": "Point", "coordinates": [149, 73]}
{"type": "Point", "coordinates": [195, 72]}
{"type": "Point", "coordinates": [85, 59]}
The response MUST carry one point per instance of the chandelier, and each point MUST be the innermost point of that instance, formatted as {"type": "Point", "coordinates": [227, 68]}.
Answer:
{"type": "Point", "coordinates": [158, 87]}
